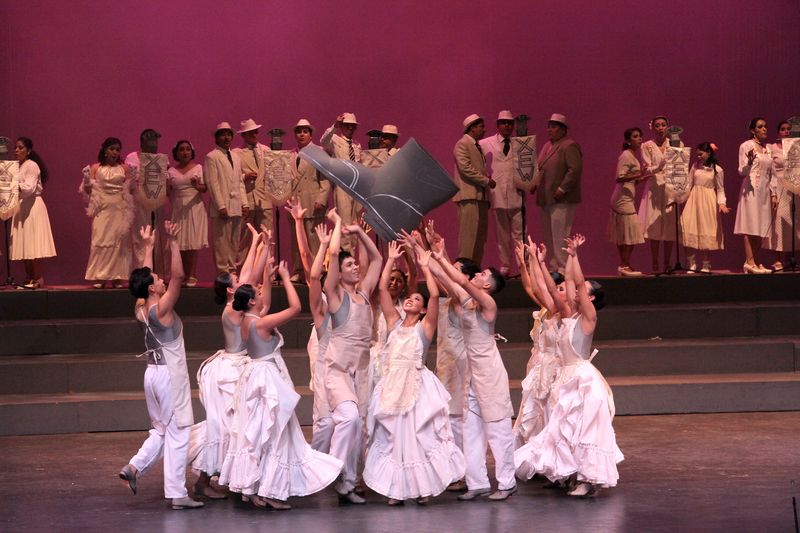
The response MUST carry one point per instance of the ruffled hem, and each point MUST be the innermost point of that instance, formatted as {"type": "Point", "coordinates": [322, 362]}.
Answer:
{"type": "Point", "coordinates": [307, 472]}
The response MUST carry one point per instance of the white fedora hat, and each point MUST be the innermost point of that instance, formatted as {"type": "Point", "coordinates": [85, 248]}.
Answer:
{"type": "Point", "coordinates": [303, 123]}
{"type": "Point", "coordinates": [558, 117]}
{"type": "Point", "coordinates": [390, 129]}
{"type": "Point", "coordinates": [223, 126]}
{"type": "Point", "coordinates": [505, 115]}
{"type": "Point", "coordinates": [470, 120]}
{"type": "Point", "coordinates": [349, 118]}
{"type": "Point", "coordinates": [249, 125]}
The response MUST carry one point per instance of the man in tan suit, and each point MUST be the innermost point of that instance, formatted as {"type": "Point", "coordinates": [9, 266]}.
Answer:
{"type": "Point", "coordinates": [472, 199]}
{"type": "Point", "coordinates": [339, 143]}
{"type": "Point", "coordinates": [313, 191]}
{"type": "Point", "coordinates": [222, 171]}
{"type": "Point", "coordinates": [254, 171]}
{"type": "Point", "coordinates": [557, 186]}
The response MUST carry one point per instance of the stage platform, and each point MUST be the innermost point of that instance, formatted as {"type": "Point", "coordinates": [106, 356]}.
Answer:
{"type": "Point", "coordinates": [672, 344]}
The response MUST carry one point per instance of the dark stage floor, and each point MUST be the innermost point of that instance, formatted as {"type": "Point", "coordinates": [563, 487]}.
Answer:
{"type": "Point", "coordinates": [734, 472]}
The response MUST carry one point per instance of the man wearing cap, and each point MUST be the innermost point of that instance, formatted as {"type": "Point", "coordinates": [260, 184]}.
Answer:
{"type": "Point", "coordinates": [389, 136]}
{"type": "Point", "coordinates": [142, 215]}
{"type": "Point", "coordinates": [507, 196]}
{"type": "Point", "coordinates": [472, 200]}
{"type": "Point", "coordinates": [342, 146]}
{"type": "Point", "coordinates": [254, 173]}
{"type": "Point", "coordinates": [313, 190]}
{"type": "Point", "coordinates": [557, 186]}
{"type": "Point", "coordinates": [223, 174]}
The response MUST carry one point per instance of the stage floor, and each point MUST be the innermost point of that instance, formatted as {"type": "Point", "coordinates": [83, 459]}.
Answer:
{"type": "Point", "coordinates": [735, 472]}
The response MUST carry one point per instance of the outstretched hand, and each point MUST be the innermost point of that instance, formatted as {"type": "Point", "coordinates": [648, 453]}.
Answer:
{"type": "Point", "coordinates": [294, 208]}
{"type": "Point", "coordinates": [323, 233]}
{"type": "Point", "coordinates": [148, 235]}
{"type": "Point", "coordinates": [423, 257]}
{"type": "Point", "coordinates": [395, 252]}
{"type": "Point", "coordinates": [171, 228]}
{"type": "Point", "coordinates": [333, 216]}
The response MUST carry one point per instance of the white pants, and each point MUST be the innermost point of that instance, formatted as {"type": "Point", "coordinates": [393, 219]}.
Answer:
{"type": "Point", "coordinates": [165, 437]}
{"type": "Point", "coordinates": [500, 439]}
{"type": "Point", "coordinates": [322, 434]}
{"type": "Point", "coordinates": [556, 226]}
{"type": "Point", "coordinates": [346, 443]}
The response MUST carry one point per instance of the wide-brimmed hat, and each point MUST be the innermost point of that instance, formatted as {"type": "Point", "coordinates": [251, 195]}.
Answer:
{"type": "Point", "coordinates": [249, 125]}
{"type": "Point", "coordinates": [505, 115]}
{"type": "Point", "coordinates": [558, 117]}
{"type": "Point", "coordinates": [303, 123]}
{"type": "Point", "coordinates": [349, 118]}
{"type": "Point", "coordinates": [470, 120]}
{"type": "Point", "coordinates": [222, 126]}
{"type": "Point", "coordinates": [390, 129]}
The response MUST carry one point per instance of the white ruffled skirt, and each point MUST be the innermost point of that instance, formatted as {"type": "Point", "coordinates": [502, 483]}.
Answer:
{"type": "Point", "coordinates": [413, 454]}
{"type": "Point", "coordinates": [533, 410]}
{"type": "Point", "coordinates": [269, 455]}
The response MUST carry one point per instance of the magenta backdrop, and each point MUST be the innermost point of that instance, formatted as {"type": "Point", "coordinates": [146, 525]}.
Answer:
{"type": "Point", "coordinates": [76, 72]}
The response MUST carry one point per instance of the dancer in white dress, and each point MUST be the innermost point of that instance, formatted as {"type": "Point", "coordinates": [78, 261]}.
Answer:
{"type": "Point", "coordinates": [269, 460]}
{"type": "Point", "coordinates": [411, 449]}
{"type": "Point", "coordinates": [701, 227]}
{"type": "Point", "coordinates": [186, 188]}
{"type": "Point", "coordinates": [31, 237]}
{"type": "Point", "coordinates": [166, 380]}
{"type": "Point", "coordinates": [780, 234]}
{"type": "Point", "coordinates": [756, 201]}
{"type": "Point", "coordinates": [578, 443]}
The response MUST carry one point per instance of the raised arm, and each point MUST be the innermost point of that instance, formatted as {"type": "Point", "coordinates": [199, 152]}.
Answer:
{"type": "Point", "coordinates": [332, 289]}
{"type": "Point", "coordinates": [268, 270]}
{"type": "Point", "coordinates": [246, 273]}
{"type": "Point", "coordinates": [431, 319]}
{"type": "Point", "coordinates": [296, 210]}
{"type": "Point", "coordinates": [539, 284]}
{"type": "Point", "coordinates": [268, 322]}
{"type": "Point", "coordinates": [170, 298]}
{"type": "Point", "coordinates": [390, 314]}
{"type": "Point", "coordinates": [561, 305]}
{"type": "Point", "coordinates": [524, 273]}
{"type": "Point", "coordinates": [315, 301]}
{"type": "Point", "coordinates": [587, 310]}
{"type": "Point", "coordinates": [148, 236]}
{"type": "Point", "coordinates": [370, 279]}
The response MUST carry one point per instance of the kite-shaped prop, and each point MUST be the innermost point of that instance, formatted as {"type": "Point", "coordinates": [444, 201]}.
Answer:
{"type": "Point", "coordinates": [395, 196]}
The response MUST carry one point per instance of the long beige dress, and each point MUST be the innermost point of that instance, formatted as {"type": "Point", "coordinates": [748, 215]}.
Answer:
{"type": "Point", "coordinates": [656, 210]}
{"type": "Point", "coordinates": [780, 233]}
{"type": "Point", "coordinates": [700, 223]}
{"type": "Point", "coordinates": [31, 237]}
{"type": "Point", "coordinates": [188, 210]}
{"type": "Point", "coordinates": [624, 226]}
{"type": "Point", "coordinates": [111, 209]}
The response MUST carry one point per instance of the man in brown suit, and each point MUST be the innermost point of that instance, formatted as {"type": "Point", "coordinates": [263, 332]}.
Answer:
{"type": "Point", "coordinates": [557, 186]}
{"type": "Point", "coordinates": [472, 199]}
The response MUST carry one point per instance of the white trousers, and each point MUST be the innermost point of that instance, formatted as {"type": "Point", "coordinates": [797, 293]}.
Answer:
{"type": "Point", "coordinates": [556, 226]}
{"type": "Point", "coordinates": [166, 437]}
{"type": "Point", "coordinates": [500, 439]}
{"type": "Point", "coordinates": [322, 434]}
{"type": "Point", "coordinates": [346, 443]}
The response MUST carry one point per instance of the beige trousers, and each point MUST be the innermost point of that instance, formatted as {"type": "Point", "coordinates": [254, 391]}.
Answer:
{"type": "Point", "coordinates": [227, 233]}
{"type": "Point", "coordinates": [473, 222]}
{"type": "Point", "coordinates": [556, 226]}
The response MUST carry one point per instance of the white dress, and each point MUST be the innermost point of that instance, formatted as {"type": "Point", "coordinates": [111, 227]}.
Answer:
{"type": "Point", "coordinates": [656, 210]}
{"type": "Point", "coordinates": [451, 356]}
{"type": "Point", "coordinates": [217, 379]}
{"type": "Point", "coordinates": [411, 451]}
{"type": "Point", "coordinates": [268, 453]}
{"type": "Point", "coordinates": [754, 212]}
{"type": "Point", "coordinates": [701, 227]}
{"type": "Point", "coordinates": [780, 234]}
{"type": "Point", "coordinates": [31, 237]}
{"type": "Point", "coordinates": [578, 438]}
{"type": "Point", "coordinates": [188, 210]}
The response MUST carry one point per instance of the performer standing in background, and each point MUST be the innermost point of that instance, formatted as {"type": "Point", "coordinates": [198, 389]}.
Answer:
{"type": "Point", "coordinates": [148, 144]}
{"type": "Point", "coordinates": [780, 235]}
{"type": "Point", "coordinates": [701, 227]}
{"type": "Point", "coordinates": [31, 237]}
{"type": "Point", "coordinates": [656, 210]}
{"type": "Point", "coordinates": [472, 199]}
{"type": "Point", "coordinates": [254, 171]}
{"type": "Point", "coordinates": [107, 186]}
{"type": "Point", "coordinates": [624, 229]}
{"type": "Point", "coordinates": [756, 198]}
{"type": "Point", "coordinates": [223, 174]}
{"type": "Point", "coordinates": [389, 137]}
{"type": "Point", "coordinates": [341, 145]}
{"type": "Point", "coordinates": [186, 186]}
{"type": "Point", "coordinates": [166, 380]}
{"type": "Point", "coordinates": [313, 191]}
{"type": "Point", "coordinates": [557, 186]}
{"type": "Point", "coordinates": [506, 196]}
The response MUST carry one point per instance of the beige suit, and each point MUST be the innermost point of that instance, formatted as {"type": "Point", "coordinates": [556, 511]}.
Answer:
{"type": "Point", "coordinates": [339, 147]}
{"type": "Point", "coordinates": [227, 191]}
{"type": "Point", "coordinates": [261, 208]}
{"type": "Point", "coordinates": [560, 166]}
{"type": "Point", "coordinates": [312, 189]}
{"type": "Point", "coordinates": [472, 198]}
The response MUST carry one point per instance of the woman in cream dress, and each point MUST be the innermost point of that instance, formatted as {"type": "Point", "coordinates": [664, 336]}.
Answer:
{"type": "Point", "coordinates": [188, 211]}
{"type": "Point", "coordinates": [780, 235]}
{"type": "Point", "coordinates": [107, 186]}
{"type": "Point", "coordinates": [31, 237]}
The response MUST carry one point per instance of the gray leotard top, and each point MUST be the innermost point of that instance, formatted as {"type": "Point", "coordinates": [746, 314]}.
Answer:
{"type": "Point", "coordinates": [581, 342]}
{"type": "Point", "coordinates": [257, 347]}
{"type": "Point", "coordinates": [158, 334]}
{"type": "Point", "coordinates": [233, 336]}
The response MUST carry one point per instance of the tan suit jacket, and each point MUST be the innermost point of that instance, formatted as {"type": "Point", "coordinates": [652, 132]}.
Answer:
{"type": "Point", "coordinates": [253, 161]}
{"type": "Point", "coordinates": [225, 185]}
{"type": "Point", "coordinates": [470, 171]}
{"type": "Point", "coordinates": [560, 166]}
{"type": "Point", "coordinates": [309, 185]}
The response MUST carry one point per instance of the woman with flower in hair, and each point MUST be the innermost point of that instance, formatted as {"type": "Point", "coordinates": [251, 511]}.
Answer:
{"type": "Point", "coordinates": [701, 227]}
{"type": "Point", "coordinates": [188, 211]}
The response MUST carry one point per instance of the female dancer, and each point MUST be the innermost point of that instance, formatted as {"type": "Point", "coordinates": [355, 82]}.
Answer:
{"type": "Point", "coordinates": [31, 237]}
{"type": "Point", "coordinates": [270, 460]}
{"type": "Point", "coordinates": [107, 187]}
{"type": "Point", "coordinates": [756, 201]}
{"type": "Point", "coordinates": [578, 442]}
{"type": "Point", "coordinates": [624, 229]}
{"type": "Point", "coordinates": [701, 227]}
{"type": "Point", "coordinates": [656, 211]}
{"type": "Point", "coordinates": [780, 236]}
{"type": "Point", "coordinates": [412, 453]}
{"type": "Point", "coordinates": [186, 188]}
